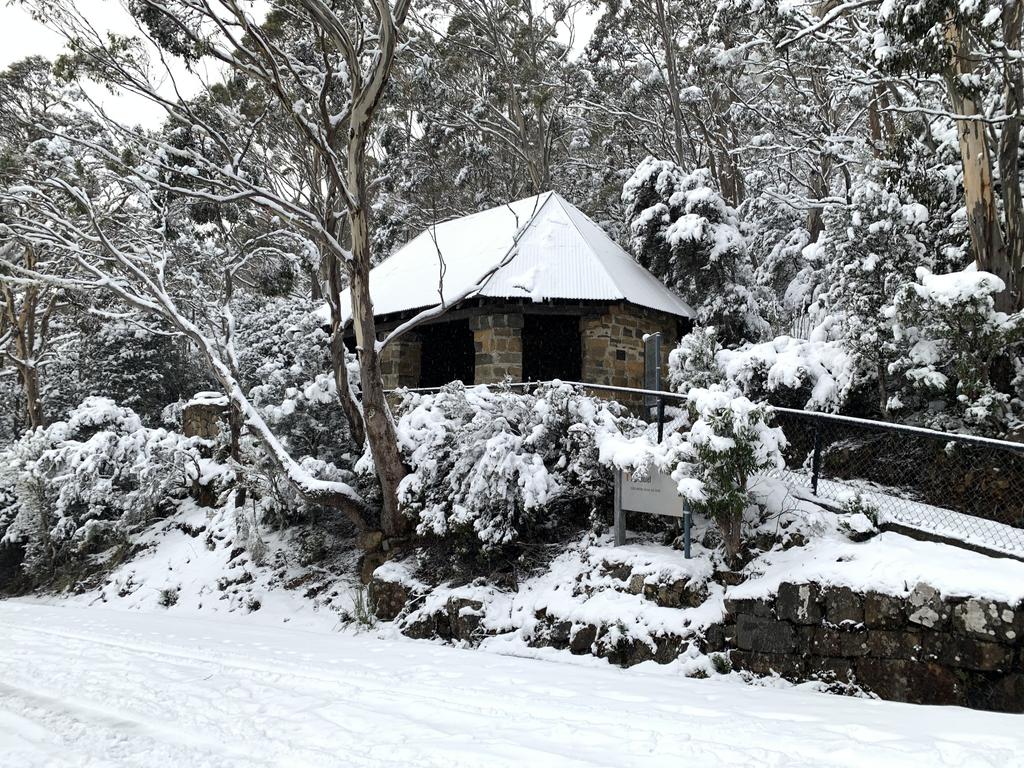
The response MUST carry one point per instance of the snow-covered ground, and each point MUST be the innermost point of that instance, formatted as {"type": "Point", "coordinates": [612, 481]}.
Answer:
{"type": "Point", "coordinates": [104, 687]}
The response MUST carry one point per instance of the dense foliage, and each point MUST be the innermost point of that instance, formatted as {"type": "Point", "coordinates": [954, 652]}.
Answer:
{"type": "Point", "coordinates": [495, 467]}
{"type": "Point", "coordinates": [78, 487]}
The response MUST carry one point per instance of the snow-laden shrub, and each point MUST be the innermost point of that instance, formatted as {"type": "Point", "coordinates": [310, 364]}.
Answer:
{"type": "Point", "coordinates": [491, 467]}
{"type": "Point", "coordinates": [78, 486]}
{"type": "Point", "coordinates": [284, 361]}
{"type": "Point", "coordinates": [727, 439]}
{"type": "Point", "coordinates": [693, 363]}
{"type": "Point", "coordinates": [100, 357]}
{"type": "Point", "coordinates": [954, 335]}
{"type": "Point", "coordinates": [686, 235]}
{"type": "Point", "coordinates": [816, 374]}
{"type": "Point", "coordinates": [873, 247]}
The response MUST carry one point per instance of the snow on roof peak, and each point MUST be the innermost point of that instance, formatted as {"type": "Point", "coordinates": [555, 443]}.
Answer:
{"type": "Point", "coordinates": [560, 254]}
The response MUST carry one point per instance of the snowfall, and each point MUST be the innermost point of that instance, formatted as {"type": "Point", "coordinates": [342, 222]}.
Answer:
{"type": "Point", "coordinates": [102, 686]}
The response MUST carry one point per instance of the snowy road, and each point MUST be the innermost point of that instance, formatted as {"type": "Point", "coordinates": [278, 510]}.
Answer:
{"type": "Point", "coordinates": [99, 687]}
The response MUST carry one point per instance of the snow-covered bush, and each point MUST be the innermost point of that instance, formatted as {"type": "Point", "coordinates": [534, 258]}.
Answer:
{"type": "Point", "coordinates": [726, 439]}
{"type": "Point", "coordinates": [859, 518]}
{"type": "Point", "coordinates": [873, 248]}
{"type": "Point", "coordinates": [139, 369]}
{"type": "Point", "coordinates": [729, 440]}
{"type": "Point", "coordinates": [77, 487]}
{"type": "Point", "coordinates": [491, 466]}
{"type": "Point", "coordinates": [815, 374]}
{"type": "Point", "coordinates": [953, 335]}
{"type": "Point", "coordinates": [284, 361]}
{"type": "Point", "coordinates": [693, 363]}
{"type": "Point", "coordinates": [684, 233]}
{"type": "Point", "coordinates": [779, 244]}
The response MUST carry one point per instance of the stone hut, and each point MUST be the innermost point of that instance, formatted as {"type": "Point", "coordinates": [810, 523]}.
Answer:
{"type": "Point", "coordinates": [567, 302]}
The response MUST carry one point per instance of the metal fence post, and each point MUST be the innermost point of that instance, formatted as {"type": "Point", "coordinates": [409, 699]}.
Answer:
{"type": "Point", "coordinates": [661, 417]}
{"type": "Point", "coordinates": [619, 519]}
{"type": "Point", "coordinates": [687, 522]}
{"type": "Point", "coordinates": [816, 461]}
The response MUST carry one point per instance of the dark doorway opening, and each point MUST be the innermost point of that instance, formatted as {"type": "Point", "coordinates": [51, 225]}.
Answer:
{"type": "Point", "coordinates": [448, 353]}
{"type": "Point", "coordinates": [552, 348]}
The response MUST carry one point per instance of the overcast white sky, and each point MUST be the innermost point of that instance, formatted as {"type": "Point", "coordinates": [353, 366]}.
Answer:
{"type": "Point", "coordinates": [21, 36]}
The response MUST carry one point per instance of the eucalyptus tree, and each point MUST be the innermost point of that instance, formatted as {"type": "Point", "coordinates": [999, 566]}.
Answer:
{"type": "Point", "coordinates": [326, 68]}
{"type": "Point", "coordinates": [486, 107]}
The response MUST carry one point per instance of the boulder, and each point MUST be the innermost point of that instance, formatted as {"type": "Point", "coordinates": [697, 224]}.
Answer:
{"type": "Point", "coordinates": [388, 598]}
{"type": "Point", "coordinates": [623, 651]}
{"type": "Point", "coordinates": [620, 571]}
{"type": "Point", "coordinates": [713, 639]}
{"type": "Point", "coordinates": [465, 617]}
{"type": "Point", "coordinates": [428, 626]}
{"type": "Point", "coordinates": [582, 639]}
{"type": "Point", "coordinates": [679, 593]}
{"type": "Point", "coordinates": [668, 648]}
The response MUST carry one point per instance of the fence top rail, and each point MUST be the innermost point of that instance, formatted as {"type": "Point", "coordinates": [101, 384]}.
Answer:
{"type": "Point", "coordinates": [934, 434]}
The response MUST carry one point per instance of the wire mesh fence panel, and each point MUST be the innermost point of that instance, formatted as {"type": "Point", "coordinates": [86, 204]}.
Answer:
{"type": "Point", "coordinates": [952, 486]}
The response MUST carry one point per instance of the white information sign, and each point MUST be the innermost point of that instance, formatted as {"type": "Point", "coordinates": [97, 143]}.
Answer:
{"type": "Point", "coordinates": [655, 494]}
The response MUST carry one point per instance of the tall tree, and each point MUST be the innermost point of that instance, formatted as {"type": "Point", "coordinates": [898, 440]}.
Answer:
{"type": "Point", "coordinates": [328, 74]}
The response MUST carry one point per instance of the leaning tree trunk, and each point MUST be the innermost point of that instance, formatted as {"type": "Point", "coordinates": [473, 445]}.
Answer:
{"type": "Point", "coordinates": [377, 421]}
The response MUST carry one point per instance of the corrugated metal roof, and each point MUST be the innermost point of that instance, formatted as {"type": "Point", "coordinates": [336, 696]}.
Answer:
{"type": "Point", "coordinates": [560, 254]}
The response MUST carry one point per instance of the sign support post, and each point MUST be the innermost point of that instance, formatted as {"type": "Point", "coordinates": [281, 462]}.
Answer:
{"type": "Point", "coordinates": [687, 522]}
{"type": "Point", "coordinates": [619, 520]}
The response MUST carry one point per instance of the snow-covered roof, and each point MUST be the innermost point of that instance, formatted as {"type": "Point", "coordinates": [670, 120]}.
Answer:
{"type": "Point", "coordinates": [560, 254]}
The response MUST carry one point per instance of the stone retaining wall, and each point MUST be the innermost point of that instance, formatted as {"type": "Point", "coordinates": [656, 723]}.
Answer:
{"type": "Point", "coordinates": [922, 648]}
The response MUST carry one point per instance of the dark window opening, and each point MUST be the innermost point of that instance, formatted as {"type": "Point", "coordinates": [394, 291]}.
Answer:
{"type": "Point", "coordinates": [552, 348]}
{"type": "Point", "coordinates": [448, 353]}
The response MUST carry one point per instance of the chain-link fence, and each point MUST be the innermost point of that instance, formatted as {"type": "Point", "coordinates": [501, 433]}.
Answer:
{"type": "Point", "coordinates": [966, 488]}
